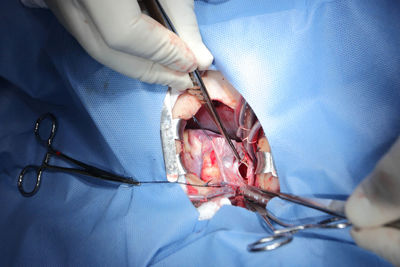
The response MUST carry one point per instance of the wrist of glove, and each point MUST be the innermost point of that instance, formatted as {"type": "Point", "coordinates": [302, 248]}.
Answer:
{"type": "Point", "coordinates": [376, 202]}
{"type": "Point", "coordinates": [118, 35]}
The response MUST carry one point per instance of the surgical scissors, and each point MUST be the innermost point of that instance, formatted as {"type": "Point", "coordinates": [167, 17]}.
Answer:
{"type": "Point", "coordinates": [84, 170]}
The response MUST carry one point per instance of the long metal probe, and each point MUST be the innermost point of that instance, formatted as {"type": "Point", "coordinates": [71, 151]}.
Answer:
{"type": "Point", "coordinates": [215, 115]}
{"type": "Point", "coordinates": [203, 89]}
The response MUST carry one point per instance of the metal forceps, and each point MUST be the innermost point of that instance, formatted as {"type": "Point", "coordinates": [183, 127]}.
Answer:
{"type": "Point", "coordinates": [160, 14]}
{"type": "Point", "coordinates": [284, 235]}
{"type": "Point", "coordinates": [84, 170]}
{"type": "Point", "coordinates": [271, 242]}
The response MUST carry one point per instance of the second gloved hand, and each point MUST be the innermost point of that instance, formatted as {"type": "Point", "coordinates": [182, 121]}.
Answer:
{"type": "Point", "coordinates": [376, 202]}
{"type": "Point", "coordinates": [119, 36]}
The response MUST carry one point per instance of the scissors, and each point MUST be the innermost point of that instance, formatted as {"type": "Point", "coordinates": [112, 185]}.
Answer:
{"type": "Point", "coordinates": [279, 237]}
{"type": "Point", "coordinates": [84, 170]}
{"type": "Point", "coordinates": [159, 13]}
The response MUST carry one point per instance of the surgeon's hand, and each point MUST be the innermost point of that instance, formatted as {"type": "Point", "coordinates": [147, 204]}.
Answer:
{"type": "Point", "coordinates": [118, 35]}
{"type": "Point", "coordinates": [375, 202]}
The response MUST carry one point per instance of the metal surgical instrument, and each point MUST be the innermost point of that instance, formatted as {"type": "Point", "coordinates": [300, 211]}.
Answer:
{"type": "Point", "coordinates": [161, 14]}
{"type": "Point", "coordinates": [279, 239]}
{"type": "Point", "coordinates": [84, 170]}
{"type": "Point", "coordinates": [284, 235]}
{"type": "Point", "coordinates": [329, 206]}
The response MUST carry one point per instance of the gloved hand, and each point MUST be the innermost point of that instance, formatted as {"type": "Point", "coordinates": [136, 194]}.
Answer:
{"type": "Point", "coordinates": [375, 202]}
{"type": "Point", "coordinates": [119, 36]}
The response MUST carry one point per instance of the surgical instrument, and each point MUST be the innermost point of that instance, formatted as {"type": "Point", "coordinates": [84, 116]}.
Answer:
{"type": "Point", "coordinates": [257, 200]}
{"type": "Point", "coordinates": [284, 236]}
{"type": "Point", "coordinates": [160, 14]}
{"type": "Point", "coordinates": [84, 170]}
{"type": "Point", "coordinates": [280, 236]}
{"type": "Point", "coordinates": [329, 206]}
{"type": "Point", "coordinates": [279, 239]}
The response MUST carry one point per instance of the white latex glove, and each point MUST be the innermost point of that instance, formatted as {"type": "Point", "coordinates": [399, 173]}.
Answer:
{"type": "Point", "coordinates": [375, 202]}
{"type": "Point", "coordinates": [118, 35]}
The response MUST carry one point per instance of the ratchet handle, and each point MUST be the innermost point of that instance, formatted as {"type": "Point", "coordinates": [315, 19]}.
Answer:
{"type": "Point", "coordinates": [395, 224]}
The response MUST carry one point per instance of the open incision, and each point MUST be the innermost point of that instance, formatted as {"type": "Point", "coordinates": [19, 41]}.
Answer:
{"type": "Point", "coordinates": [207, 157]}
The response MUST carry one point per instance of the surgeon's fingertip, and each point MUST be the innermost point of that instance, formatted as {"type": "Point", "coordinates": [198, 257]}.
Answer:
{"type": "Point", "coordinates": [382, 241]}
{"type": "Point", "coordinates": [205, 60]}
{"type": "Point", "coordinates": [357, 208]}
{"type": "Point", "coordinates": [359, 237]}
{"type": "Point", "coordinates": [181, 83]}
{"type": "Point", "coordinates": [192, 67]}
{"type": "Point", "coordinates": [159, 74]}
{"type": "Point", "coordinates": [203, 56]}
{"type": "Point", "coordinates": [363, 237]}
{"type": "Point", "coordinates": [354, 232]}
{"type": "Point", "coordinates": [186, 64]}
{"type": "Point", "coordinates": [195, 56]}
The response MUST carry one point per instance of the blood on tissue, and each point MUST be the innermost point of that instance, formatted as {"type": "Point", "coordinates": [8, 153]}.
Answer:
{"type": "Point", "coordinates": [191, 190]}
{"type": "Point", "coordinates": [213, 158]}
{"type": "Point", "coordinates": [210, 169]}
{"type": "Point", "coordinates": [238, 200]}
